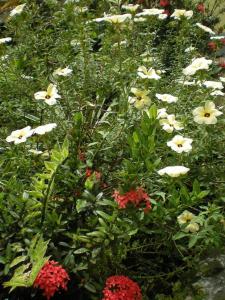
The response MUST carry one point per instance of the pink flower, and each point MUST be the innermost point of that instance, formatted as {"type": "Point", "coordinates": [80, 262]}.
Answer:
{"type": "Point", "coordinates": [200, 7]}
{"type": "Point", "coordinates": [164, 3]}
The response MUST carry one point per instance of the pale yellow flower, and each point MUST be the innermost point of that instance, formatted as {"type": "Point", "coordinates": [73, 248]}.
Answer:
{"type": "Point", "coordinates": [115, 19]}
{"type": "Point", "coordinates": [145, 73]}
{"type": "Point", "coordinates": [185, 217]}
{"type": "Point", "coordinates": [206, 114]}
{"type": "Point", "coordinates": [141, 100]}
{"type": "Point", "coordinates": [178, 13]}
{"type": "Point", "coordinates": [131, 7]}
{"type": "Point", "coordinates": [17, 10]}
{"type": "Point", "coordinates": [170, 123]}
{"type": "Point", "coordinates": [63, 72]}
{"type": "Point", "coordinates": [173, 171]}
{"type": "Point", "coordinates": [192, 227]}
{"type": "Point", "coordinates": [166, 98]}
{"type": "Point", "coordinates": [205, 28]}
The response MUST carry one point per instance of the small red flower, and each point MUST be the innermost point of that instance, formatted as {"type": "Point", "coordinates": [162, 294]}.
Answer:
{"type": "Point", "coordinates": [200, 7]}
{"type": "Point", "coordinates": [164, 3]}
{"type": "Point", "coordinates": [135, 197]}
{"type": "Point", "coordinates": [222, 65]}
{"type": "Point", "coordinates": [51, 278]}
{"type": "Point", "coordinates": [121, 288]}
{"type": "Point", "coordinates": [222, 41]}
{"type": "Point", "coordinates": [88, 172]}
{"type": "Point", "coordinates": [81, 155]}
{"type": "Point", "coordinates": [212, 45]}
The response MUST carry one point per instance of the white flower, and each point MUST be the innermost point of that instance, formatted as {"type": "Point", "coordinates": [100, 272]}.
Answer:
{"type": "Point", "coordinates": [205, 28]}
{"type": "Point", "coordinates": [162, 16]}
{"type": "Point", "coordinates": [192, 227]}
{"type": "Point", "coordinates": [185, 217]}
{"type": "Point", "coordinates": [20, 135]}
{"type": "Point", "coordinates": [178, 13]}
{"type": "Point", "coordinates": [161, 113]}
{"type": "Point", "coordinates": [149, 74]}
{"type": "Point", "coordinates": [222, 79]}
{"type": "Point", "coordinates": [115, 19]}
{"type": "Point", "coordinates": [27, 77]}
{"type": "Point", "coordinates": [48, 96]}
{"type": "Point", "coordinates": [151, 12]}
{"type": "Point", "coordinates": [166, 98]}
{"type": "Point", "coordinates": [5, 40]}
{"type": "Point", "coordinates": [206, 114]}
{"type": "Point", "coordinates": [180, 144]}
{"type": "Point", "coordinates": [217, 37]}
{"type": "Point", "coordinates": [17, 10]}
{"type": "Point", "coordinates": [130, 7]}
{"type": "Point", "coordinates": [213, 85]}
{"type": "Point", "coordinates": [217, 93]}
{"type": "Point", "coordinates": [35, 151]}
{"type": "Point", "coordinates": [189, 49]}
{"type": "Point", "coordinates": [169, 124]}
{"type": "Point", "coordinates": [140, 19]}
{"type": "Point", "coordinates": [44, 128]}
{"type": "Point", "coordinates": [141, 100]}
{"type": "Point", "coordinates": [200, 63]}
{"type": "Point", "coordinates": [63, 72]}
{"type": "Point", "coordinates": [173, 171]}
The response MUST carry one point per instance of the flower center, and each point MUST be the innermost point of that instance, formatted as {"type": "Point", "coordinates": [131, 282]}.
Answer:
{"type": "Point", "coordinates": [179, 145]}
{"type": "Point", "coordinates": [47, 97]}
{"type": "Point", "coordinates": [139, 98]}
{"type": "Point", "coordinates": [207, 115]}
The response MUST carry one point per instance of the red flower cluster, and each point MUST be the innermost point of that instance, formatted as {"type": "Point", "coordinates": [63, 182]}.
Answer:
{"type": "Point", "coordinates": [136, 197]}
{"type": "Point", "coordinates": [212, 46]}
{"type": "Point", "coordinates": [50, 278]}
{"type": "Point", "coordinates": [164, 3]}
{"type": "Point", "coordinates": [89, 172]}
{"type": "Point", "coordinates": [121, 288]}
{"type": "Point", "coordinates": [200, 7]}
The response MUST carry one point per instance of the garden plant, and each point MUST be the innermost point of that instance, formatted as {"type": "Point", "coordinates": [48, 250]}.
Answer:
{"type": "Point", "coordinates": [112, 148]}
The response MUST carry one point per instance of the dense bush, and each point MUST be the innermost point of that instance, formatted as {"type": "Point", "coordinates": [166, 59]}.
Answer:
{"type": "Point", "coordinates": [119, 166]}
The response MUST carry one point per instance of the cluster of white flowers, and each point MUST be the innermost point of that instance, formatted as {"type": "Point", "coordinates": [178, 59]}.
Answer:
{"type": "Point", "coordinates": [179, 13]}
{"type": "Point", "coordinates": [197, 64]}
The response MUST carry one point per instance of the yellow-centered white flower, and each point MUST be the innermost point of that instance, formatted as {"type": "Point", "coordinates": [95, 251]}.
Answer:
{"type": "Point", "coordinates": [48, 96]}
{"type": "Point", "coordinates": [17, 10]}
{"type": "Point", "coordinates": [63, 72]}
{"type": "Point", "coordinates": [169, 124]}
{"type": "Point", "coordinates": [141, 100]}
{"type": "Point", "coordinates": [206, 114]}
{"type": "Point", "coordinates": [173, 171]}
{"type": "Point", "coordinates": [205, 28]}
{"type": "Point", "coordinates": [200, 63]}
{"type": "Point", "coordinates": [20, 135]}
{"type": "Point", "coordinates": [145, 73]}
{"type": "Point", "coordinates": [185, 217]}
{"type": "Point", "coordinates": [131, 7]}
{"type": "Point", "coordinates": [40, 130]}
{"type": "Point", "coordinates": [180, 144]}
{"type": "Point", "coordinates": [166, 98]}
{"type": "Point", "coordinates": [115, 19]}
{"type": "Point", "coordinates": [178, 13]}
{"type": "Point", "coordinates": [216, 85]}
{"type": "Point", "coordinates": [150, 12]}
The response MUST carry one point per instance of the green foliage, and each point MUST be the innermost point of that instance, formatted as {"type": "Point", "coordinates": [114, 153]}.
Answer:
{"type": "Point", "coordinates": [26, 273]}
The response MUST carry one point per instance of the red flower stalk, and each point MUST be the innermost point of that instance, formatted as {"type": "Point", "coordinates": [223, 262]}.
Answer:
{"type": "Point", "coordinates": [164, 3]}
{"type": "Point", "coordinates": [212, 46]}
{"type": "Point", "coordinates": [51, 278]}
{"type": "Point", "coordinates": [200, 7]}
{"type": "Point", "coordinates": [121, 288]}
{"type": "Point", "coordinates": [135, 197]}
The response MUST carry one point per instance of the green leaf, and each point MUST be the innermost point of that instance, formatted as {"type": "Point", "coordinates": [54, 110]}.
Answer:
{"type": "Point", "coordinates": [193, 240]}
{"type": "Point", "coordinates": [17, 260]}
{"type": "Point", "coordinates": [81, 250]}
{"type": "Point", "coordinates": [179, 235]}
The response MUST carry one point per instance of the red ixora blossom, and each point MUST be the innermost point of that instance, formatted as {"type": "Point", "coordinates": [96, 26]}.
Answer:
{"type": "Point", "coordinates": [121, 288]}
{"type": "Point", "coordinates": [164, 3]}
{"type": "Point", "coordinates": [200, 7]}
{"type": "Point", "coordinates": [136, 197]}
{"type": "Point", "coordinates": [51, 278]}
{"type": "Point", "coordinates": [212, 45]}
{"type": "Point", "coordinates": [97, 174]}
